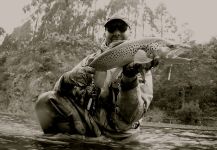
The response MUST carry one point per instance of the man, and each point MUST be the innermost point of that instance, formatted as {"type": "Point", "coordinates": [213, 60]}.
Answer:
{"type": "Point", "coordinates": [115, 106]}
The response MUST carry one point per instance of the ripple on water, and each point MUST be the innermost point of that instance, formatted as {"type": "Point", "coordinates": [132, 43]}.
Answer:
{"type": "Point", "coordinates": [19, 133]}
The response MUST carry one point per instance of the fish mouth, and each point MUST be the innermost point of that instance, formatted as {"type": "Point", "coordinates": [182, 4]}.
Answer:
{"type": "Point", "coordinates": [185, 46]}
{"type": "Point", "coordinates": [180, 49]}
{"type": "Point", "coordinates": [173, 56]}
{"type": "Point", "coordinates": [177, 60]}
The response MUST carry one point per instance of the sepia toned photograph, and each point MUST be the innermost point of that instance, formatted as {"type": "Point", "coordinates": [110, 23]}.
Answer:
{"type": "Point", "coordinates": [108, 75]}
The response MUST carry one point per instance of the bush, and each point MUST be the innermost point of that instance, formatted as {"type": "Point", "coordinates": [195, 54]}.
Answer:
{"type": "Point", "coordinates": [2, 60]}
{"type": "Point", "coordinates": [189, 113]}
{"type": "Point", "coordinates": [155, 115]}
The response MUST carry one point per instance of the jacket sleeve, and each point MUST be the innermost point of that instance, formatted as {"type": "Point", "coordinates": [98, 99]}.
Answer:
{"type": "Point", "coordinates": [66, 91]}
{"type": "Point", "coordinates": [134, 102]}
{"type": "Point", "coordinates": [67, 81]}
{"type": "Point", "coordinates": [146, 90]}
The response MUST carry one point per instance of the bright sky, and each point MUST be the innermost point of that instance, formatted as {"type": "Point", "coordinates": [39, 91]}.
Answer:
{"type": "Point", "coordinates": [11, 13]}
{"type": "Point", "coordinates": [200, 14]}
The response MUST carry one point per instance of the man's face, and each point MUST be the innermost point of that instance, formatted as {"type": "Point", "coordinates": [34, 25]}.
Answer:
{"type": "Point", "coordinates": [116, 30]}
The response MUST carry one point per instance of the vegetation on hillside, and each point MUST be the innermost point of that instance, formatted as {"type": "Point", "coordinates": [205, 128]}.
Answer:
{"type": "Point", "coordinates": [59, 33]}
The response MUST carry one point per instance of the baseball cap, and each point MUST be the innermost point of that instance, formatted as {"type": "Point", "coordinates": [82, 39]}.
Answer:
{"type": "Point", "coordinates": [116, 17]}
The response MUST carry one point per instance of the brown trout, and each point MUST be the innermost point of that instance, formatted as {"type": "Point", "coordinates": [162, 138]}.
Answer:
{"type": "Point", "coordinates": [140, 51]}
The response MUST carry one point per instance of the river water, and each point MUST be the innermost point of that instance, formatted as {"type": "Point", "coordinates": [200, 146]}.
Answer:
{"type": "Point", "coordinates": [19, 133]}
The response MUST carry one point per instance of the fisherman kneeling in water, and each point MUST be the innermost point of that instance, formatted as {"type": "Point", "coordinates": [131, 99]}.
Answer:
{"type": "Point", "coordinates": [76, 106]}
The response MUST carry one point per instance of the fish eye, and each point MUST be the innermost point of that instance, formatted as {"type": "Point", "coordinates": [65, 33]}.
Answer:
{"type": "Point", "coordinates": [171, 46]}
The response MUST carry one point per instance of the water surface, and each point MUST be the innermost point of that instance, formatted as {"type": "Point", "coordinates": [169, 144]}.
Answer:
{"type": "Point", "coordinates": [19, 133]}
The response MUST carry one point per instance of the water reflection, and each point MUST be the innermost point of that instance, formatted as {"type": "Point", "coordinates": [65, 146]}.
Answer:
{"type": "Point", "coordinates": [18, 133]}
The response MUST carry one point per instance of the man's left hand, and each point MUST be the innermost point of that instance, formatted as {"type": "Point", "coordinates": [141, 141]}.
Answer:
{"type": "Point", "coordinates": [132, 69]}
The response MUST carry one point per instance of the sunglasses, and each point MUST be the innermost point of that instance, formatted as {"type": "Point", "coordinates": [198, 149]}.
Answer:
{"type": "Point", "coordinates": [117, 26]}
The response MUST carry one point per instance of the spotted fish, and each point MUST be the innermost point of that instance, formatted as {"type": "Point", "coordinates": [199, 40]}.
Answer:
{"type": "Point", "coordinates": [140, 51]}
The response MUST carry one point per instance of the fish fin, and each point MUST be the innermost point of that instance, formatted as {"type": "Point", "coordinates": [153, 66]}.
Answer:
{"type": "Point", "coordinates": [99, 78]}
{"type": "Point", "coordinates": [141, 57]}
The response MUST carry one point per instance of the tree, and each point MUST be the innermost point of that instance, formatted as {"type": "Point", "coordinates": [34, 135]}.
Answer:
{"type": "Point", "coordinates": [184, 33]}
{"type": "Point", "coordinates": [2, 31]}
{"type": "Point", "coordinates": [165, 23]}
{"type": "Point", "coordinates": [147, 19]}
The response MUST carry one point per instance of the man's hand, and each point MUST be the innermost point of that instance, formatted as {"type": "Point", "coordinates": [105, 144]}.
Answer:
{"type": "Point", "coordinates": [82, 76]}
{"type": "Point", "coordinates": [132, 69]}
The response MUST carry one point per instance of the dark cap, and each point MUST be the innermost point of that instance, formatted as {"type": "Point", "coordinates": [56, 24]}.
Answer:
{"type": "Point", "coordinates": [117, 17]}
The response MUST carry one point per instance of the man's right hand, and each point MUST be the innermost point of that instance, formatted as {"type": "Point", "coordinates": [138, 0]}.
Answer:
{"type": "Point", "coordinates": [82, 76]}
